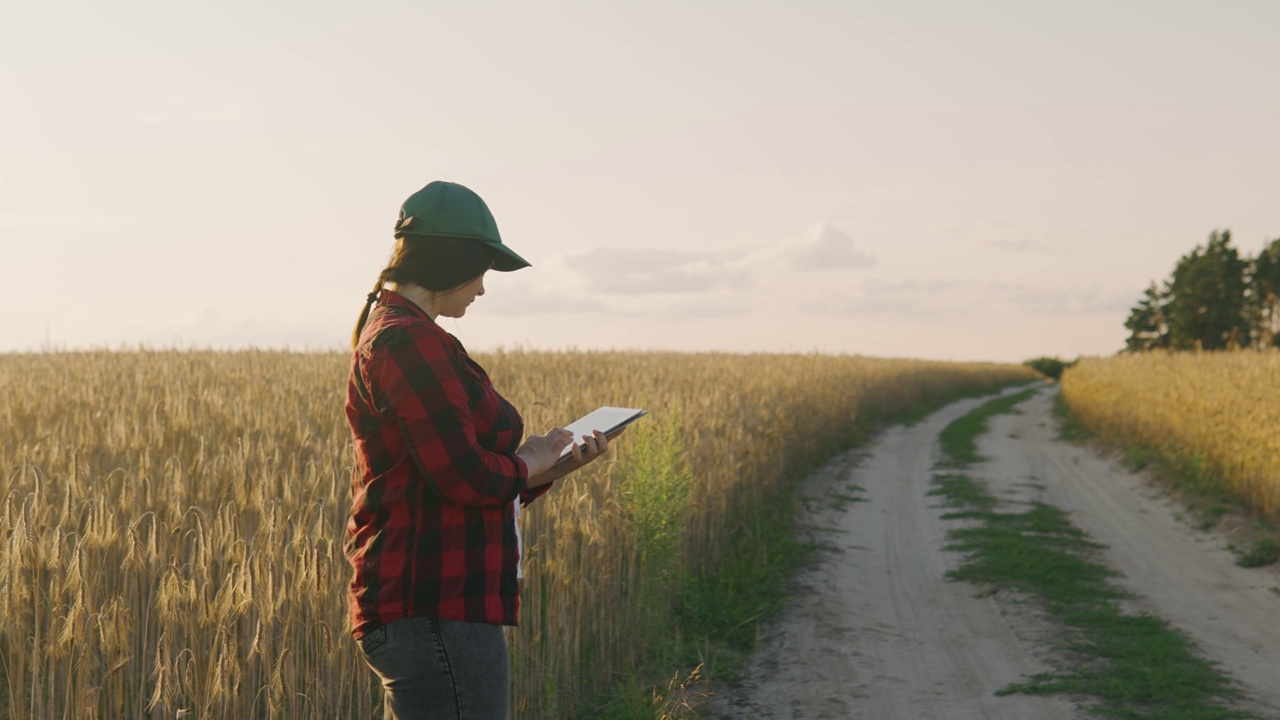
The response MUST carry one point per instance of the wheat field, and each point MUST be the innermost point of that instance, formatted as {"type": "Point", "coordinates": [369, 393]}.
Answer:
{"type": "Point", "coordinates": [172, 522]}
{"type": "Point", "coordinates": [1211, 414]}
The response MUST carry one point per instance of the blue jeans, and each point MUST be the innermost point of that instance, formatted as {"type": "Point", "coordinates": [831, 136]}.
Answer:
{"type": "Point", "coordinates": [436, 669]}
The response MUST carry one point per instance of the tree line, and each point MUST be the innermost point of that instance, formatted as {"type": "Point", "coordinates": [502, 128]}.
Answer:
{"type": "Point", "coordinates": [1215, 299]}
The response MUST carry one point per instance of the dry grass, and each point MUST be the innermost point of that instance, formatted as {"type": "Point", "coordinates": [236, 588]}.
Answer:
{"type": "Point", "coordinates": [1211, 416]}
{"type": "Point", "coordinates": [171, 523]}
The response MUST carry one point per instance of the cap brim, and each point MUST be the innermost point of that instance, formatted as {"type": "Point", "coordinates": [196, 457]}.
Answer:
{"type": "Point", "coordinates": [504, 260]}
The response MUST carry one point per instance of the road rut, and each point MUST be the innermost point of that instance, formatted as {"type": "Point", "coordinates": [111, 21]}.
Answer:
{"type": "Point", "coordinates": [877, 631]}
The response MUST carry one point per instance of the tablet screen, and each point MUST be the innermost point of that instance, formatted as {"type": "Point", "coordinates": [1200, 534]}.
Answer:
{"type": "Point", "coordinates": [607, 420]}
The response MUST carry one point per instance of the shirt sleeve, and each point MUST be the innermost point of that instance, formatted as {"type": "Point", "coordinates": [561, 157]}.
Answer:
{"type": "Point", "coordinates": [420, 387]}
{"type": "Point", "coordinates": [529, 496]}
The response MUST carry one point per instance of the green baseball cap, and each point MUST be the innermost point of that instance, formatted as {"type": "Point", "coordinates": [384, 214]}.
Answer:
{"type": "Point", "coordinates": [445, 209]}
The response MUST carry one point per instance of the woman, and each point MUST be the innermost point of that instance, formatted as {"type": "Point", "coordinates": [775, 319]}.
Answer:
{"type": "Point", "coordinates": [440, 472]}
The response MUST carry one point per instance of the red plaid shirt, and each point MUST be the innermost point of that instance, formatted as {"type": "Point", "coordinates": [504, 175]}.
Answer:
{"type": "Point", "coordinates": [432, 529]}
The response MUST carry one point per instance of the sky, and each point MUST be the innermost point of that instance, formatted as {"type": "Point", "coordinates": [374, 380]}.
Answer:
{"type": "Point", "coordinates": [944, 179]}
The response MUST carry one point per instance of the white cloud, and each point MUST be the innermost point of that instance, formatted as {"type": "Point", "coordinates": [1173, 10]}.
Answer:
{"type": "Point", "coordinates": [824, 247]}
{"type": "Point", "coordinates": [732, 271]}
{"type": "Point", "coordinates": [802, 263]}
{"type": "Point", "coordinates": [549, 292]}
{"type": "Point", "coordinates": [643, 271]}
{"type": "Point", "coordinates": [819, 273]}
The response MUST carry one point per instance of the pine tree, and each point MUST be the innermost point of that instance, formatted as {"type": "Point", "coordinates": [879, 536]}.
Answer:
{"type": "Point", "coordinates": [1148, 329]}
{"type": "Point", "coordinates": [1205, 308]}
{"type": "Point", "coordinates": [1264, 296]}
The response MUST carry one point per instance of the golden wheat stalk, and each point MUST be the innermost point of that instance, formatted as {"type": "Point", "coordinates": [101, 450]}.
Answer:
{"type": "Point", "coordinates": [188, 557]}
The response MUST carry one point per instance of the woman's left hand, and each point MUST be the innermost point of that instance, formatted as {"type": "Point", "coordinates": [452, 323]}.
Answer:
{"type": "Point", "coordinates": [597, 444]}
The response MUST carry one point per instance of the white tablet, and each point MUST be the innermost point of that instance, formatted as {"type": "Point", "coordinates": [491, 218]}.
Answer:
{"type": "Point", "coordinates": [608, 420]}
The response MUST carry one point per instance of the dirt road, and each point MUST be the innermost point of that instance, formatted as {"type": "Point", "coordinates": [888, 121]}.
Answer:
{"type": "Point", "coordinates": [876, 631]}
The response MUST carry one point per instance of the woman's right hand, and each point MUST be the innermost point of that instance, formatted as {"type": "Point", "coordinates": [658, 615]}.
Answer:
{"type": "Point", "coordinates": [541, 452]}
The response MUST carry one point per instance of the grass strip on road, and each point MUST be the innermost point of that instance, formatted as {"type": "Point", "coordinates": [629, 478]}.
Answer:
{"type": "Point", "coordinates": [1135, 666]}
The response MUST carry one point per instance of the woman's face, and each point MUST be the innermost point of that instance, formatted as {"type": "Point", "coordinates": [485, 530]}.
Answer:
{"type": "Point", "coordinates": [453, 303]}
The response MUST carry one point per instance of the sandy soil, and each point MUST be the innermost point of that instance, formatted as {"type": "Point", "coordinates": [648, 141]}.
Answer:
{"type": "Point", "coordinates": [876, 631]}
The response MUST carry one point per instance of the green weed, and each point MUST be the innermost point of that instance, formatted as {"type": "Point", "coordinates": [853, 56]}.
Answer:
{"type": "Point", "coordinates": [1264, 551]}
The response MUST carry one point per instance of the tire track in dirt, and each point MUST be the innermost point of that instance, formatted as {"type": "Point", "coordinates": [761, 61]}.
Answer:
{"type": "Point", "coordinates": [876, 630]}
{"type": "Point", "coordinates": [1174, 571]}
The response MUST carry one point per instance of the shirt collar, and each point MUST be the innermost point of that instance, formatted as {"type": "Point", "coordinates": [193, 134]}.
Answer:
{"type": "Point", "coordinates": [391, 298]}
